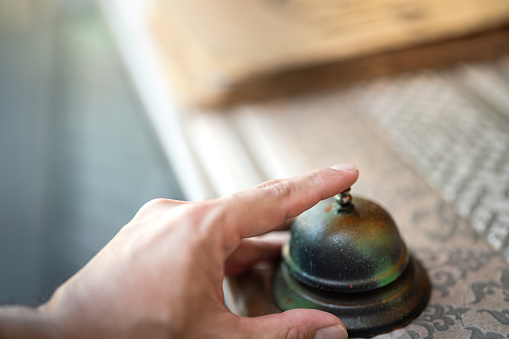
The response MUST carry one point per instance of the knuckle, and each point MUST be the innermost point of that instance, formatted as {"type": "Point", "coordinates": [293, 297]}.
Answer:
{"type": "Point", "coordinates": [314, 179]}
{"type": "Point", "coordinates": [270, 183]}
{"type": "Point", "coordinates": [157, 202]}
{"type": "Point", "coordinates": [154, 204]}
{"type": "Point", "coordinates": [283, 189]}
{"type": "Point", "coordinates": [156, 207]}
{"type": "Point", "coordinates": [313, 176]}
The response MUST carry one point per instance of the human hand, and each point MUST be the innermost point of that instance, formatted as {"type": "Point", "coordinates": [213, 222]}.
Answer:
{"type": "Point", "coordinates": [161, 275]}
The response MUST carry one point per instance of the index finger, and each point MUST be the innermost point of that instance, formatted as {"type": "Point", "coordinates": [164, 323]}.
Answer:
{"type": "Point", "coordinates": [262, 208]}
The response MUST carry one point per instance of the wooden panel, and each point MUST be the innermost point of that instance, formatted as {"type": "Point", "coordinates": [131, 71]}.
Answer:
{"type": "Point", "coordinates": [230, 50]}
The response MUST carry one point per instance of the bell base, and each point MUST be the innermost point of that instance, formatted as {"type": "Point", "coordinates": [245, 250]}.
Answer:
{"type": "Point", "coordinates": [364, 314]}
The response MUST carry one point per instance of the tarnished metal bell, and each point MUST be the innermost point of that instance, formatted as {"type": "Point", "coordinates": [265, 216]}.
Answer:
{"type": "Point", "coordinates": [346, 256]}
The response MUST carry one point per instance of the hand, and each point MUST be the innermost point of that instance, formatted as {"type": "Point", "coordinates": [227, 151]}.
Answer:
{"type": "Point", "coordinates": [161, 275]}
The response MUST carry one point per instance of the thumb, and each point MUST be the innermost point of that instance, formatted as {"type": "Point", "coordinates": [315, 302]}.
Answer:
{"type": "Point", "coordinates": [298, 323]}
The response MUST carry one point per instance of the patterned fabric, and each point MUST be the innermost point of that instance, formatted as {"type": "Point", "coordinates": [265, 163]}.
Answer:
{"type": "Point", "coordinates": [454, 140]}
{"type": "Point", "coordinates": [429, 151]}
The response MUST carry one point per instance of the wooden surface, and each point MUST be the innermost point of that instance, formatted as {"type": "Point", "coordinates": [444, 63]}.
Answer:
{"type": "Point", "coordinates": [229, 51]}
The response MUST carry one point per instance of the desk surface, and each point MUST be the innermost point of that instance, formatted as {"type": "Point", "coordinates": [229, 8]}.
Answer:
{"type": "Point", "coordinates": [432, 147]}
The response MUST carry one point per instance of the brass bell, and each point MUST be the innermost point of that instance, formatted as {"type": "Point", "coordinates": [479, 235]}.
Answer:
{"type": "Point", "coordinates": [346, 256]}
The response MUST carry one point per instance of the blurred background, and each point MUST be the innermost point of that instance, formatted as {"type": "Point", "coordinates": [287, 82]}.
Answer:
{"type": "Point", "coordinates": [78, 156]}
{"type": "Point", "coordinates": [106, 104]}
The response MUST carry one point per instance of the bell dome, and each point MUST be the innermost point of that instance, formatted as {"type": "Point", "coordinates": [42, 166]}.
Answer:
{"type": "Point", "coordinates": [352, 251]}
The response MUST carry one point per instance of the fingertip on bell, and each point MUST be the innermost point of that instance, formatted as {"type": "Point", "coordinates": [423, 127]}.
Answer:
{"type": "Point", "coordinates": [345, 167]}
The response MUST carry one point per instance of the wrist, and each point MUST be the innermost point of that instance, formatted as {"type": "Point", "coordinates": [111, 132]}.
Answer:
{"type": "Point", "coordinates": [67, 314]}
{"type": "Point", "coordinates": [27, 322]}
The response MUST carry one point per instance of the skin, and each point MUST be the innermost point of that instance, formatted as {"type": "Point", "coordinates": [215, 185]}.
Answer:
{"type": "Point", "coordinates": [161, 275]}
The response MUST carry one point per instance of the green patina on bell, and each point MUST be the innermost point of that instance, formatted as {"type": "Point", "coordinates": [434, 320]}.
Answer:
{"type": "Point", "coordinates": [346, 256]}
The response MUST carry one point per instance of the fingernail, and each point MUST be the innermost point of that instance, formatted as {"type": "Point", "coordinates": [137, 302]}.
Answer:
{"type": "Point", "coordinates": [332, 332]}
{"type": "Point", "coordinates": [345, 167]}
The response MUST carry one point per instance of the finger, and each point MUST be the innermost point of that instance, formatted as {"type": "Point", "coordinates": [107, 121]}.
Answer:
{"type": "Point", "coordinates": [298, 323]}
{"type": "Point", "coordinates": [249, 252]}
{"type": "Point", "coordinates": [262, 208]}
{"type": "Point", "coordinates": [285, 226]}
{"type": "Point", "coordinates": [279, 236]}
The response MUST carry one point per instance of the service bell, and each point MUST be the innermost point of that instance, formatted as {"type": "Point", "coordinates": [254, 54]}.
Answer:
{"type": "Point", "coordinates": [346, 256]}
